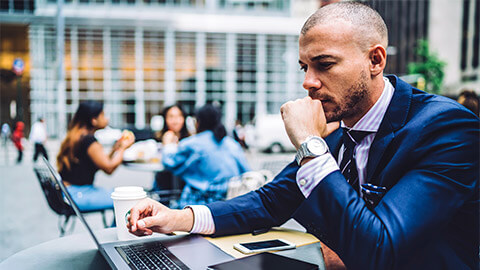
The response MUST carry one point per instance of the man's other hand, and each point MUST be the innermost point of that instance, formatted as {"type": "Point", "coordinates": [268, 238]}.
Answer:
{"type": "Point", "coordinates": [150, 216]}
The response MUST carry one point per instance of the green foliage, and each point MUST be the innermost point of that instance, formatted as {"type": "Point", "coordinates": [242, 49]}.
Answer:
{"type": "Point", "coordinates": [430, 67]}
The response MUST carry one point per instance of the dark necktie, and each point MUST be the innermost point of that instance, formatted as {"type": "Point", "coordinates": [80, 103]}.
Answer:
{"type": "Point", "coordinates": [348, 166]}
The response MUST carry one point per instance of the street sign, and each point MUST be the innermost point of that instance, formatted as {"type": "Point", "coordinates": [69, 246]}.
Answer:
{"type": "Point", "coordinates": [18, 66]}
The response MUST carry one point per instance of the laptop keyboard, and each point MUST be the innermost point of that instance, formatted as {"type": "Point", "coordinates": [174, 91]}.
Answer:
{"type": "Point", "coordinates": [150, 255]}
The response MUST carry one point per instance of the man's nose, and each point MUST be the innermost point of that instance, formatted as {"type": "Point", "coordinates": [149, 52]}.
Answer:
{"type": "Point", "coordinates": [311, 82]}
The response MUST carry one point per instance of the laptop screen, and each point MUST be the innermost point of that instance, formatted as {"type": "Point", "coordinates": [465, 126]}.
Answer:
{"type": "Point", "coordinates": [58, 180]}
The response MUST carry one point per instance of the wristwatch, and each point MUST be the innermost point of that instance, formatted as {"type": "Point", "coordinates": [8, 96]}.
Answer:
{"type": "Point", "coordinates": [312, 147]}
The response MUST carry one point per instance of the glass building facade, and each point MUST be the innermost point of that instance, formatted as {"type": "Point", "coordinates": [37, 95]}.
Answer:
{"type": "Point", "coordinates": [138, 71]}
{"type": "Point", "coordinates": [138, 66]}
{"type": "Point", "coordinates": [138, 56]}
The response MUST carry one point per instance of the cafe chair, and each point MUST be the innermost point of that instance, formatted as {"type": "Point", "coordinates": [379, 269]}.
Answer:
{"type": "Point", "coordinates": [246, 182]}
{"type": "Point", "coordinates": [55, 200]}
{"type": "Point", "coordinates": [167, 188]}
{"type": "Point", "coordinates": [275, 166]}
{"type": "Point", "coordinates": [168, 197]}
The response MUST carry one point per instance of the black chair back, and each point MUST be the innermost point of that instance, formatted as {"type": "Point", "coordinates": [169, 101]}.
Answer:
{"type": "Point", "coordinates": [54, 196]}
{"type": "Point", "coordinates": [52, 193]}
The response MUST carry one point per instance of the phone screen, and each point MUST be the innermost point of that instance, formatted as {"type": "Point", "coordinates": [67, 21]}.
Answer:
{"type": "Point", "coordinates": [264, 244]}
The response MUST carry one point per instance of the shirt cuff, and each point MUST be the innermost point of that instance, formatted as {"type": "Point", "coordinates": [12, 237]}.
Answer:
{"type": "Point", "coordinates": [313, 172]}
{"type": "Point", "coordinates": [203, 220]}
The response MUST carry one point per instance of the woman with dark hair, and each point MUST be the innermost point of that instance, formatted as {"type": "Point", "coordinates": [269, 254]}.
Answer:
{"type": "Point", "coordinates": [81, 156]}
{"type": "Point", "coordinates": [174, 117]}
{"type": "Point", "coordinates": [205, 161]}
{"type": "Point", "coordinates": [174, 127]}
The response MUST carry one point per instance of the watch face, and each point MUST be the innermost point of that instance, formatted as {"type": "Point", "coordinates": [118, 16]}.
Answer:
{"type": "Point", "coordinates": [316, 146]}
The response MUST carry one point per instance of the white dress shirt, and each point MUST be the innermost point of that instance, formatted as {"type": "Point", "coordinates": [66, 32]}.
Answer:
{"type": "Point", "coordinates": [312, 173]}
{"type": "Point", "coordinates": [309, 175]}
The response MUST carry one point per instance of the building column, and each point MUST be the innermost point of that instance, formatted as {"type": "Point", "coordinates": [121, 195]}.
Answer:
{"type": "Point", "coordinates": [89, 65]}
{"type": "Point", "coordinates": [38, 93]}
{"type": "Point", "coordinates": [261, 103]}
{"type": "Point", "coordinates": [169, 67]}
{"type": "Point", "coordinates": [470, 70]}
{"type": "Point", "coordinates": [200, 73]}
{"type": "Point", "coordinates": [211, 5]}
{"type": "Point", "coordinates": [292, 67]}
{"type": "Point", "coordinates": [44, 90]}
{"type": "Point", "coordinates": [440, 42]}
{"type": "Point", "coordinates": [117, 107]}
{"type": "Point", "coordinates": [107, 75]}
{"type": "Point", "coordinates": [139, 83]}
{"type": "Point", "coordinates": [60, 72]}
{"type": "Point", "coordinates": [74, 63]}
{"type": "Point", "coordinates": [230, 80]}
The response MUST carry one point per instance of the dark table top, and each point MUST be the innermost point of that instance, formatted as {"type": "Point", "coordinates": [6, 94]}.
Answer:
{"type": "Point", "coordinates": [78, 251]}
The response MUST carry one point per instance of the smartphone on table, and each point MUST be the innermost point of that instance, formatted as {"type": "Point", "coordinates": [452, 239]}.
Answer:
{"type": "Point", "coordinates": [262, 246]}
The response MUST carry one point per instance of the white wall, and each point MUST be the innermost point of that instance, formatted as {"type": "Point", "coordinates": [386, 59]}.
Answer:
{"type": "Point", "coordinates": [445, 39]}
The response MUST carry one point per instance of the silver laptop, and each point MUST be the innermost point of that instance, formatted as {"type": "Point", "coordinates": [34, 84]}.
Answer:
{"type": "Point", "coordinates": [168, 252]}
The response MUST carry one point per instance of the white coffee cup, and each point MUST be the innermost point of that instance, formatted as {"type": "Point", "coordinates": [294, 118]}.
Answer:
{"type": "Point", "coordinates": [124, 198]}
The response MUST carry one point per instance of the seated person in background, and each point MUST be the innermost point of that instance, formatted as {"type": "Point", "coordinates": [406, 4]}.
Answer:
{"type": "Point", "coordinates": [470, 100]}
{"type": "Point", "coordinates": [174, 117]}
{"type": "Point", "coordinates": [396, 187]}
{"type": "Point", "coordinates": [239, 134]}
{"type": "Point", "coordinates": [81, 156]}
{"type": "Point", "coordinates": [205, 161]}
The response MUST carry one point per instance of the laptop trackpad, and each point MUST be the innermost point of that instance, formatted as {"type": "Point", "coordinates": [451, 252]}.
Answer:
{"type": "Point", "coordinates": [199, 255]}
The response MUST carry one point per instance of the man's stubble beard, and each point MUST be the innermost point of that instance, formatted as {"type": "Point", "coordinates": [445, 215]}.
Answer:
{"type": "Point", "coordinates": [354, 104]}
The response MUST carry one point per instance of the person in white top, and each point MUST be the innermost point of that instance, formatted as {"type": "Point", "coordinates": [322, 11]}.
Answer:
{"type": "Point", "coordinates": [5, 134]}
{"type": "Point", "coordinates": [38, 136]}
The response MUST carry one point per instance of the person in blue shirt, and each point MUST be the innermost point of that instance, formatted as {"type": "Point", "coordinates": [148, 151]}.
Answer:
{"type": "Point", "coordinates": [205, 161]}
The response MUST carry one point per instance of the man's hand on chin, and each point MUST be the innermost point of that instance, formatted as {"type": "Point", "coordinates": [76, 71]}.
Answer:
{"type": "Point", "coordinates": [305, 117]}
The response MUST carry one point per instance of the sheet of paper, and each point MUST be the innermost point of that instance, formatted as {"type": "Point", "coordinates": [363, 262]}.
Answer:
{"type": "Point", "coordinates": [225, 243]}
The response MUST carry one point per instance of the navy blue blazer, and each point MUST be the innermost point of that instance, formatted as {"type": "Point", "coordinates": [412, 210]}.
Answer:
{"type": "Point", "coordinates": [422, 208]}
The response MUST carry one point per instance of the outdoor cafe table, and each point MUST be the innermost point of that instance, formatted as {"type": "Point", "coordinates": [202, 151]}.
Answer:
{"type": "Point", "coordinates": [78, 252]}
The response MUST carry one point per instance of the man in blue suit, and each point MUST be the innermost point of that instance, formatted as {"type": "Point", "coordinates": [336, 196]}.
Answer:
{"type": "Point", "coordinates": [397, 185]}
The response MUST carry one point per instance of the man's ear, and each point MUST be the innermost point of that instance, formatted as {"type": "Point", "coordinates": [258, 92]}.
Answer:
{"type": "Point", "coordinates": [378, 59]}
{"type": "Point", "coordinates": [94, 122]}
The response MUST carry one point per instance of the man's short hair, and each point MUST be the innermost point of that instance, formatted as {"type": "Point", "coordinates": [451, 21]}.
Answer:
{"type": "Point", "coordinates": [369, 25]}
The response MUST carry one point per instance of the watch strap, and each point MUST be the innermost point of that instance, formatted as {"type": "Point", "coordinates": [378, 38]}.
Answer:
{"type": "Point", "coordinates": [301, 153]}
{"type": "Point", "coordinates": [304, 152]}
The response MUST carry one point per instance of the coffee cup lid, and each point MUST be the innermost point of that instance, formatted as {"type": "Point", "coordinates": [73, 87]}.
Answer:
{"type": "Point", "coordinates": [128, 193]}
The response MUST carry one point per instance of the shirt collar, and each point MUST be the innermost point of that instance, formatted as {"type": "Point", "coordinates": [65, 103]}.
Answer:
{"type": "Point", "coordinates": [372, 119]}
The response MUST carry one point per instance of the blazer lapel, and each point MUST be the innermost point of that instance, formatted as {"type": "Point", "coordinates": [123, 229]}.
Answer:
{"type": "Point", "coordinates": [382, 139]}
{"type": "Point", "coordinates": [395, 118]}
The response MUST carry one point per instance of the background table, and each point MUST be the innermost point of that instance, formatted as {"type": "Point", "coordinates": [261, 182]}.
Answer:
{"type": "Point", "coordinates": [175, 187]}
{"type": "Point", "coordinates": [80, 252]}
{"type": "Point", "coordinates": [145, 166]}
